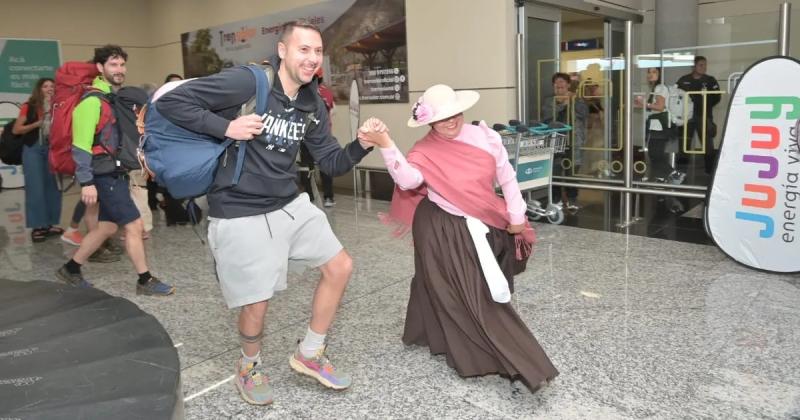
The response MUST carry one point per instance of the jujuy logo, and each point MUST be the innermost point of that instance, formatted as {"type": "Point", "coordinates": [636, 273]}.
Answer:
{"type": "Point", "coordinates": [766, 143]}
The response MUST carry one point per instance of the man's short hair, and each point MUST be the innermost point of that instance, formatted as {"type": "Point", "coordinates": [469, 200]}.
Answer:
{"type": "Point", "coordinates": [173, 76]}
{"type": "Point", "coordinates": [288, 27]}
{"type": "Point", "coordinates": [102, 54]}
{"type": "Point", "coordinates": [699, 58]}
{"type": "Point", "coordinates": [563, 76]}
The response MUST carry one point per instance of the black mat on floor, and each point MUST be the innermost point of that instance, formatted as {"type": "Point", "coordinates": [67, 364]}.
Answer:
{"type": "Point", "coordinates": [68, 353]}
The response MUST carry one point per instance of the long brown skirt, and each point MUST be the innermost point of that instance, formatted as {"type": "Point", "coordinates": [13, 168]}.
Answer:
{"type": "Point", "coordinates": [451, 310]}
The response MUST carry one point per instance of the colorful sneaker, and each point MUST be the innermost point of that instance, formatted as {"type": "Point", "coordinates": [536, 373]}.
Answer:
{"type": "Point", "coordinates": [154, 287]}
{"type": "Point", "coordinates": [103, 255]}
{"type": "Point", "coordinates": [252, 383]}
{"type": "Point", "coordinates": [75, 280]}
{"type": "Point", "coordinates": [320, 368]}
{"type": "Point", "coordinates": [73, 237]}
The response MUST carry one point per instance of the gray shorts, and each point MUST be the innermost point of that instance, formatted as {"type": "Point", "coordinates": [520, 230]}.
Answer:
{"type": "Point", "coordinates": [253, 253]}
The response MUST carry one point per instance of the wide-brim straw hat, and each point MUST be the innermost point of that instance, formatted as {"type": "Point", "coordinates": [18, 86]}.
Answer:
{"type": "Point", "coordinates": [440, 102]}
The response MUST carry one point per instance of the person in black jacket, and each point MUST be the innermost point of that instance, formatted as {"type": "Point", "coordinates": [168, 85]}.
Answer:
{"type": "Point", "coordinates": [695, 81]}
{"type": "Point", "coordinates": [260, 224]}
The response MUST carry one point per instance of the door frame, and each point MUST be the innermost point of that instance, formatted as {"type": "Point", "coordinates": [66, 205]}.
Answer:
{"type": "Point", "coordinates": [525, 12]}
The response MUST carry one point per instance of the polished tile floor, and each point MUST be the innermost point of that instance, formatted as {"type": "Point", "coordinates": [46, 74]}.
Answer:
{"type": "Point", "coordinates": [640, 328]}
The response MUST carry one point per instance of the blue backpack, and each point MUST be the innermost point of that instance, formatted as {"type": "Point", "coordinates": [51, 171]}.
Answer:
{"type": "Point", "coordinates": [185, 162]}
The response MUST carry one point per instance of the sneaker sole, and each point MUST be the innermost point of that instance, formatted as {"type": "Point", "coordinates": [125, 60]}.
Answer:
{"type": "Point", "coordinates": [245, 397]}
{"type": "Point", "coordinates": [70, 241]}
{"type": "Point", "coordinates": [149, 293]}
{"type": "Point", "coordinates": [301, 368]}
{"type": "Point", "coordinates": [63, 279]}
{"type": "Point", "coordinates": [69, 283]}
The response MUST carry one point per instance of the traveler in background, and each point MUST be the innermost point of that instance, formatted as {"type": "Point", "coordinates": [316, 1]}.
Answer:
{"type": "Point", "coordinates": [699, 80]}
{"type": "Point", "coordinates": [557, 108]}
{"type": "Point", "coordinates": [104, 182]}
{"type": "Point", "coordinates": [42, 196]}
{"type": "Point", "coordinates": [305, 156]}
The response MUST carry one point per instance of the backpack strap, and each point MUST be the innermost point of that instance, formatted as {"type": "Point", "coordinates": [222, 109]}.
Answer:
{"type": "Point", "coordinates": [30, 116]}
{"type": "Point", "coordinates": [31, 137]}
{"type": "Point", "coordinates": [105, 103]}
{"type": "Point", "coordinates": [264, 77]}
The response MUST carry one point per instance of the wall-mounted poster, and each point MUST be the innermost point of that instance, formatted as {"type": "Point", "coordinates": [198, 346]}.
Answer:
{"type": "Point", "coordinates": [22, 63]}
{"type": "Point", "coordinates": [364, 40]}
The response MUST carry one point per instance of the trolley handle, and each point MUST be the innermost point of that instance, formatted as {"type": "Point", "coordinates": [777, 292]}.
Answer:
{"type": "Point", "coordinates": [554, 127]}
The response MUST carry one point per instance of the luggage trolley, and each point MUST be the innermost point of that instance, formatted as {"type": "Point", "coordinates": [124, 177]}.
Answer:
{"type": "Point", "coordinates": [531, 151]}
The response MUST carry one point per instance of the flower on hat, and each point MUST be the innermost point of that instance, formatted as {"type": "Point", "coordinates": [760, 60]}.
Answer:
{"type": "Point", "coordinates": [422, 113]}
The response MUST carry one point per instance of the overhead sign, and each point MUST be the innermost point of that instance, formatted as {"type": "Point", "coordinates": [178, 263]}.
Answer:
{"type": "Point", "coordinates": [752, 212]}
{"type": "Point", "coordinates": [581, 44]}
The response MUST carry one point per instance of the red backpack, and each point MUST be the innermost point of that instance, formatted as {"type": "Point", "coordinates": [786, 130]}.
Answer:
{"type": "Point", "coordinates": [73, 82]}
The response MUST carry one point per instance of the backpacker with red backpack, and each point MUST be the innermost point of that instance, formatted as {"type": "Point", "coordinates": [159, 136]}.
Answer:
{"type": "Point", "coordinates": [73, 83]}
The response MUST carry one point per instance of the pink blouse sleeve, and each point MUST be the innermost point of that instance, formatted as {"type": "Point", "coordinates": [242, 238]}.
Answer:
{"type": "Point", "coordinates": [405, 176]}
{"type": "Point", "coordinates": [506, 178]}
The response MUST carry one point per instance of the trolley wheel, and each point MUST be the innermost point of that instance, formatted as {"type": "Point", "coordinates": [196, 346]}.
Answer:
{"type": "Point", "coordinates": [533, 215]}
{"type": "Point", "coordinates": [557, 217]}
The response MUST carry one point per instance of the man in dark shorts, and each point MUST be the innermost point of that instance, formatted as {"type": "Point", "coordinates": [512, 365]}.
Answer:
{"type": "Point", "coordinates": [104, 181]}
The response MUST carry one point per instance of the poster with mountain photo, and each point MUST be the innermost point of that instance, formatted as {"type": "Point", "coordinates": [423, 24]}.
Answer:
{"type": "Point", "coordinates": [364, 40]}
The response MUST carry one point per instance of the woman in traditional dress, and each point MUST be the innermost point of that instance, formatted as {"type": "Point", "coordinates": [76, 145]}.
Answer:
{"type": "Point", "coordinates": [468, 241]}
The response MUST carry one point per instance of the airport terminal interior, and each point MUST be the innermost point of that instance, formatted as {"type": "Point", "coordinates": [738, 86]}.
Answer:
{"type": "Point", "coordinates": [639, 308]}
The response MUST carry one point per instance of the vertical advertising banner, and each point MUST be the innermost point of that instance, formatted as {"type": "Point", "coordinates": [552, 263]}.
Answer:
{"type": "Point", "coordinates": [22, 63]}
{"type": "Point", "coordinates": [364, 40]}
{"type": "Point", "coordinates": [752, 211]}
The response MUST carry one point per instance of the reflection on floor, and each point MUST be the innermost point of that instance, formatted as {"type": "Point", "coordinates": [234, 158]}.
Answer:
{"type": "Point", "coordinates": [656, 216]}
{"type": "Point", "coordinates": [639, 327]}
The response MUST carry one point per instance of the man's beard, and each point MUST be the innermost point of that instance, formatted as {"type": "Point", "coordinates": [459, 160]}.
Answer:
{"type": "Point", "coordinates": [110, 79]}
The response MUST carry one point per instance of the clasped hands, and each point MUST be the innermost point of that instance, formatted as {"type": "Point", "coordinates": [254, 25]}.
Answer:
{"type": "Point", "coordinates": [374, 133]}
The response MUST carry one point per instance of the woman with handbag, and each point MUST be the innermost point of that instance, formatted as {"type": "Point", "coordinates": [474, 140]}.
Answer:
{"type": "Point", "coordinates": [468, 242]}
{"type": "Point", "coordinates": [42, 196]}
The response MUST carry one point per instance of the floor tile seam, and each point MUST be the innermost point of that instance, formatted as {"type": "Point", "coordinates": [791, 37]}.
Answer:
{"type": "Point", "coordinates": [292, 325]}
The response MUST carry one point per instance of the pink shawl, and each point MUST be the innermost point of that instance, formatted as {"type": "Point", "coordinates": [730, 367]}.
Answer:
{"type": "Point", "coordinates": [464, 176]}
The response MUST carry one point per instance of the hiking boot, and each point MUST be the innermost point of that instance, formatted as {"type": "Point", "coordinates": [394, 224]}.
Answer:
{"type": "Point", "coordinates": [72, 279]}
{"type": "Point", "coordinates": [252, 383]}
{"type": "Point", "coordinates": [72, 237]}
{"type": "Point", "coordinates": [103, 255]}
{"type": "Point", "coordinates": [113, 247]}
{"type": "Point", "coordinates": [154, 287]}
{"type": "Point", "coordinates": [320, 368]}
